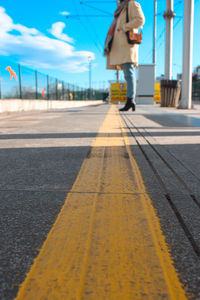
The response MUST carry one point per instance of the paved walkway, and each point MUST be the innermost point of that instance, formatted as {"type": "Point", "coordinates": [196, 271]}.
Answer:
{"type": "Point", "coordinates": [129, 224]}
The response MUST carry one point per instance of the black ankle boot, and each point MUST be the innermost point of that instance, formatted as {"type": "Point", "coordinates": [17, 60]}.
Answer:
{"type": "Point", "coordinates": [129, 103]}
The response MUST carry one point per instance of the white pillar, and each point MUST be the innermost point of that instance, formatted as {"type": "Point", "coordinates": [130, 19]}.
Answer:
{"type": "Point", "coordinates": [154, 32]}
{"type": "Point", "coordinates": [186, 98]}
{"type": "Point", "coordinates": [117, 72]}
{"type": "Point", "coordinates": [169, 16]}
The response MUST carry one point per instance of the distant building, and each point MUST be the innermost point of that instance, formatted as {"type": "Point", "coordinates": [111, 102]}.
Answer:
{"type": "Point", "coordinates": [196, 84]}
{"type": "Point", "coordinates": [158, 78]}
{"type": "Point", "coordinates": [179, 76]}
{"type": "Point", "coordinates": [196, 73]}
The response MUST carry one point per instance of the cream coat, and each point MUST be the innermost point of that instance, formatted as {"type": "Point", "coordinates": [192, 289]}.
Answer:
{"type": "Point", "coordinates": [122, 52]}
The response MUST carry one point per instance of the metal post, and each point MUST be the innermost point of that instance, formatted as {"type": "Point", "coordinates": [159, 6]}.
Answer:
{"type": "Point", "coordinates": [90, 76]}
{"type": "Point", "coordinates": [36, 85]}
{"type": "Point", "coordinates": [169, 16]}
{"type": "Point", "coordinates": [154, 32]}
{"type": "Point", "coordinates": [83, 93]}
{"type": "Point", "coordinates": [117, 76]}
{"type": "Point", "coordinates": [73, 93]}
{"type": "Point", "coordinates": [186, 97]}
{"type": "Point", "coordinates": [56, 89]}
{"type": "Point", "coordinates": [48, 87]}
{"type": "Point", "coordinates": [75, 89]}
{"type": "Point", "coordinates": [68, 92]}
{"type": "Point", "coordinates": [80, 93]}
{"type": "Point", "coordinates": [20, 82]}
{"type": "Point", "coordinates": [63, 90]}
{"type": "Point", "coordinates": [117, 72]}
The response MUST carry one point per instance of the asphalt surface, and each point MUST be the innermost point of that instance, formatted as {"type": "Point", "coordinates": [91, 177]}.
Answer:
{"type": "Point", "coordinates": [41, 154]}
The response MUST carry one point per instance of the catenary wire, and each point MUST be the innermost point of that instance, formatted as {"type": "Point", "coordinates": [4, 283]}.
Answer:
{"type": "Point", "coordinates": [86, 29]}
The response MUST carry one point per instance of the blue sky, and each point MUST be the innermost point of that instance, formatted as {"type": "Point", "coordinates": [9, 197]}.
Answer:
{"type": "Point", "coordinates": [38, 35]}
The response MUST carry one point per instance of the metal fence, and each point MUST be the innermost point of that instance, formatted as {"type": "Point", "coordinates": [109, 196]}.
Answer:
{"type": "Point", "coordinates": [196, 90]}
{"type": "Point", "coordinates": [20, 82]}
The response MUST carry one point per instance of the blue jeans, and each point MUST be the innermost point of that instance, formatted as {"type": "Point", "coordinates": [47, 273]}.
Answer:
{"type": "Point", "coordinates": [129, 75]}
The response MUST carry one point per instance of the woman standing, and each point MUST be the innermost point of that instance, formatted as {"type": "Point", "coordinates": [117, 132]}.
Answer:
{"type": "Point", "coordinates": [120, 54]}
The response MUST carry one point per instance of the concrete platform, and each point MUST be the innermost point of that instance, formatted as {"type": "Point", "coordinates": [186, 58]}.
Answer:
{"type": "Point", "coordinates": [41, 154]}
{"type": "Point", "coordinates": [166, 144]}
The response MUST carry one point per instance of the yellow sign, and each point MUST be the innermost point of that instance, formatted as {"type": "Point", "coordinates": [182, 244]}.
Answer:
{"type": "Point", "coordinates": [157, 96]}
{"type": "Point", "coordinates": [118, 92]}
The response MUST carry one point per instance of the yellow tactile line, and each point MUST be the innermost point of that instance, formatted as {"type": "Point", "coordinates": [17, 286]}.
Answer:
{"type": "Point", "coordinates": [106, 242]}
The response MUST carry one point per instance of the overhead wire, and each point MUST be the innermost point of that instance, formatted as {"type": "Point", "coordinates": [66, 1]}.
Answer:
{"type": "Point", "coordinates": [86, 29]}
{"type": "Point", "coordinates": [100, 1]}
{"type": "Point", "coordinates": [95, 8]}
{"type": "Point", "coordinates": [99, 46]}
{"type": "Point", "coordinates": [92, 28]}
{"type": "Point", "coordinates": [177, 3]}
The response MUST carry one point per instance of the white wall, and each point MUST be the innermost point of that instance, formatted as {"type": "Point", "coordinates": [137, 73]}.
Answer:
{"type": "Point", "coordinates": [13, 105]}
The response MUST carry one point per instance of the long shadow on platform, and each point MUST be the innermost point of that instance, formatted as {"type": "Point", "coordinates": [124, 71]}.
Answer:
{"type": "Point", "coordinates": [33, 188]}
{"type": "Point", "coordinates": [94, 134]}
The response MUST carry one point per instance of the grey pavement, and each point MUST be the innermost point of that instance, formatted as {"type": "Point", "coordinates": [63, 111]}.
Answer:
{"type": "Point", "coordinates": [40, 156]}
{"type": "Point", "coordinates": [166, 145]}
{"type": "Point", "coordinates": [42, 152]}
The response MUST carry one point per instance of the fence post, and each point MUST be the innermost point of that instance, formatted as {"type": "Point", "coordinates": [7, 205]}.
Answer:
{"type": "Point", "coordinates": [73, 88]}
{"type": "Point", "coordinates": [84, 94]}
{"type": "Point", "coordinates": [69, 91]}
{"type": "Point", "coordinates": [56, 89]}
{"type": "Point", "coordinates": [20, 82]}
{"type": "Point", "coordinates": [63, 90]}
{"type": "Point", "coordinates": [48, 87]}
{"type": "Point", "coordinates": [81, 93]}
{"type": "Point", "coordinates": [36, 85]}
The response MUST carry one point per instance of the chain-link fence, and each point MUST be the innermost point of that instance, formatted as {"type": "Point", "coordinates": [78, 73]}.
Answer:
{"type": "Point", "coordinates": [20, 82]}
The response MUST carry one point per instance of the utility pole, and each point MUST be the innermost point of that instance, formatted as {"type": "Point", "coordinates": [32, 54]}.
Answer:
{"type": "Point", "coordinates": [90, 75]}
{"type": "Point", "coordinates": [169, 16]}
{"type": "Point", "coordinates": [186, 98]}
{"type": "Point", "coordinates": [117, 72]}
{"type": "Point", "coordinates": [154, 32]}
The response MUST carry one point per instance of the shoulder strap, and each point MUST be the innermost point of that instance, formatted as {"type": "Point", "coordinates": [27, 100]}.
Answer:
{"type": "Point", "coordinates": [127, 18]}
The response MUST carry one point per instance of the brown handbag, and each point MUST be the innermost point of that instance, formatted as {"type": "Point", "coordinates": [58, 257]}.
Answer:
{"type": "Point", "coordinates": [133, 38]}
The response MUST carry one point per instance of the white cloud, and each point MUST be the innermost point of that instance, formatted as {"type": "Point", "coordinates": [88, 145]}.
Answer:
{"type": "Point", "coordinates": [64, 13]}
{"type": "Point", "coordinates": [31, 47]}
{"type": "Point", "coordinates": [57, 31]}
{"type": "Point", "coordinates": [6, 23]}
{"type": "Point", "coordinates": [25, 30]}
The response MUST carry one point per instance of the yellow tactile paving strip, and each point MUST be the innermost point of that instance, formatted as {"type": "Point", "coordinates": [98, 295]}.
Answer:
{"type": "Point", "coordinates": [106, 242]}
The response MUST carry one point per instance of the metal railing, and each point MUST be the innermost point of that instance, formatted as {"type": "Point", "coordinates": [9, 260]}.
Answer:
{"type": "Point", "coordinates": [20, 82]}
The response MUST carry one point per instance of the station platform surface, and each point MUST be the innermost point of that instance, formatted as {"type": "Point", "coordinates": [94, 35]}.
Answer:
{"type": "Point", "coordinates": [97, 204]}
